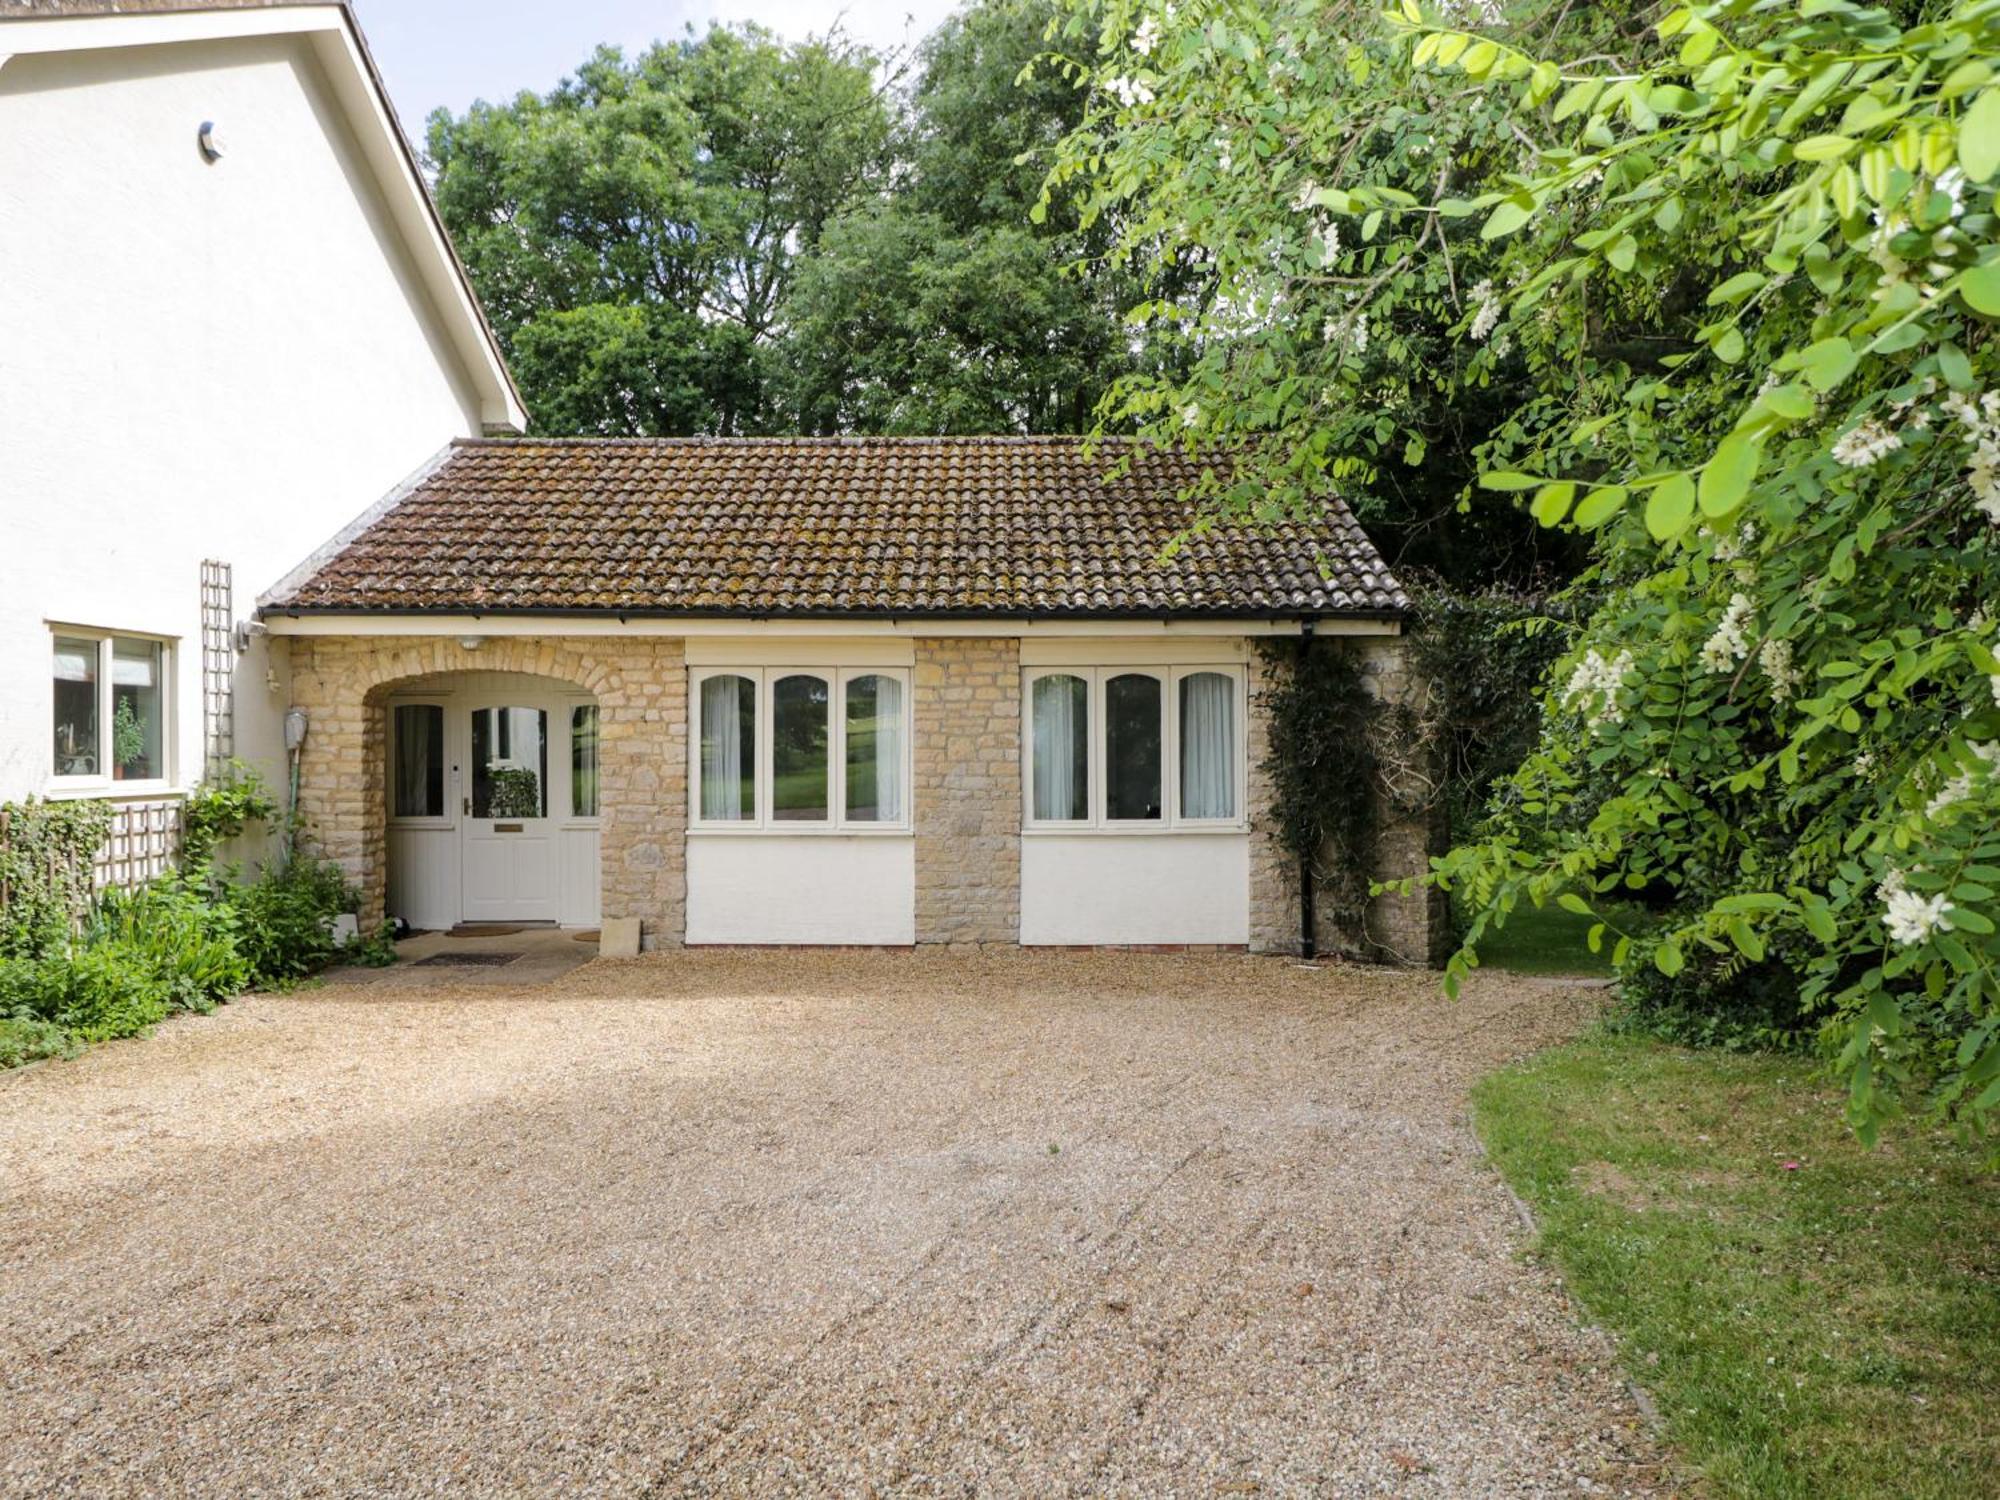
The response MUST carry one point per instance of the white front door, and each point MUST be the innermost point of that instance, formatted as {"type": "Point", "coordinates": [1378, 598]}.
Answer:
{"type": "Point", "coordinates": [509, 864]}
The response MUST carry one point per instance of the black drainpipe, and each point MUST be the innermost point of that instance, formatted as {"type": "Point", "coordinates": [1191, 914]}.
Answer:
{"type": "Point", "coordinates": [1308, 943]}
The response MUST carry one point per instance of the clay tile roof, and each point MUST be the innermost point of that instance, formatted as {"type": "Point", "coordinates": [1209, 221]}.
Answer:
{"type": "Point", "coordinates": [1014, 527]}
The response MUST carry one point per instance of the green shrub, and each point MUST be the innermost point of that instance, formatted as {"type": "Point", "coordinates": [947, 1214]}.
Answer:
{"type": "Point", "coordinates": [26, 1039]}
{"type": "Point", "coordinates": [188, 940]}
{"type": "Point", "coordinates": [101, 991]}
{"type": "Point", "coordinates": [284, 919]}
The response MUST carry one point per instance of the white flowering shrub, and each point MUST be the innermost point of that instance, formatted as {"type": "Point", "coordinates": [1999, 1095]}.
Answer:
{"type": "Point", "coordinates": [1745, 261]}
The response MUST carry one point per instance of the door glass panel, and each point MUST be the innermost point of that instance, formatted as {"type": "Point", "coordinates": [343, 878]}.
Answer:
{"type": "Point", "coordinates": [1061, 750]}
{"type": "Point", "coordinates": [874, 749]}
{"type": "Point", "coordinates": [799, 749]}
{"type": "Point", "coordinates": [1132, 747]}
{"type": "Point", "coordinates": [728, 749]}
{"type": "Point", "coordinates": [510, 763]}
{"type": "Point", "coordinates": [583, 761]}
{"type": "Point", "coordinates": [419, 735]}
{"type": "Point", "coordinates": [76, 707]}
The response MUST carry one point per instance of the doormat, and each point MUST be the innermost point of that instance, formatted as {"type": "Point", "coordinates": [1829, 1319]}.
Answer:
{"type": "Point", "coordinates": [483, 929]}
{"type": "Point", "coordinates": [465, 960]}
{"type": "Point", "coordinates": [586, 937]}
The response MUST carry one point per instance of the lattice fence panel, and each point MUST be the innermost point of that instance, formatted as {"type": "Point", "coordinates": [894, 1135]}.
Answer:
{"type": "Point", "coordinates": [218, 667]}
{"type": "Point", "coordinates": [144, 841]}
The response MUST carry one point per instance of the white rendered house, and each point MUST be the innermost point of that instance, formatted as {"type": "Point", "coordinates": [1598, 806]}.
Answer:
{"type": "Point", "coordinates": [229, 318]}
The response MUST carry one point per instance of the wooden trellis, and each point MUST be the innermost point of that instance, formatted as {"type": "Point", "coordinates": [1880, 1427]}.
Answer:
{"type": "Point", "coordinates": [144, 841]}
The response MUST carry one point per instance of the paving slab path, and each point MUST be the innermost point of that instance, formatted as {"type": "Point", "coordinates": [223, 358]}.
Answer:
{"type": "Point", "coordinates": [764, 1223]}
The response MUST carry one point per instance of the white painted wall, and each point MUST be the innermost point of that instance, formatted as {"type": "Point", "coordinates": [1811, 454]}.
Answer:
{"type": "Point", "coordinates": [227, 360]}
{"type": "Point", "coordinates": [1135, 888]}
{"type": "Point", "coordinates": [807, 888]}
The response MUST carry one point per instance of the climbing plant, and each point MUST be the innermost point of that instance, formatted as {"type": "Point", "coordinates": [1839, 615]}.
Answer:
{"type": "Point", "coordinates": [48, 853]}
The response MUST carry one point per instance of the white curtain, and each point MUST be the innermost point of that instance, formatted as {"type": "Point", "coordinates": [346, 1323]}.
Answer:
{"type": "Point", "coordinates": [415, 750]}
{"type": "Point", "coordinates": [888, 749]}
{"type": "Point", "coordinates": [1208, 746]}
{"type": "Point", "coordinates": [721, 749]}
{"type": "Point", "coordinates": [1059, 719]}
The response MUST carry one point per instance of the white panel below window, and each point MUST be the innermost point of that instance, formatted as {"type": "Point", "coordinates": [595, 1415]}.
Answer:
{"type": "Point", "coordinates": [1135, 888]}
{"type": "Point", "coordinates": [423, 876]}
{"type": "Point", "coordinates": [810, 889]}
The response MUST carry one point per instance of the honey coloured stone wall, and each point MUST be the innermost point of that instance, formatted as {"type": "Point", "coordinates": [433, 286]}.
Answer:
{"type": "Point", "coordinates": [640, 684]}
{"type": "Point", "coordinates": [968, 790]}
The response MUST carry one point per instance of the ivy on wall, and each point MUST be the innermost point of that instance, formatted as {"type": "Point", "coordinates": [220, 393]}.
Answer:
{"type": "Point", "coordinates": [48, 853]}
{"type": "Point", "coordinates": [1326, 786]}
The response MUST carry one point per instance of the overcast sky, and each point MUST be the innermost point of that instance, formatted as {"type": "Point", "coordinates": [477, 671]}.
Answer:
{"type": "Point", "coordinates": [452, 52]}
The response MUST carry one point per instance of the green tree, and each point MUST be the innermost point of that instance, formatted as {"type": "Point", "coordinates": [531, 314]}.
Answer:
{"type": "Point", "coordinates": [1741, 272]}
{"type": "Point", "coordinates": [634, 231]}
{"type": "Point", "coordinates": [938, 306]}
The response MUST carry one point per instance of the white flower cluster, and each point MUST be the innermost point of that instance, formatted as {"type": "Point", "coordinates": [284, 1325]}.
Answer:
{"type": "Point", "coordinates": [1994, 684]}
{"type": "Point", "coordinates": [1909, 917]}
{"type": "Point", "coordinates": [1487, 318]}
{"type": "Point", "coordinates": [1980, 420]}
{"type": "Point", "coordinates": [1775, 657]}
{"type": "Point", "coordinates": [1329, 243]}
{"type": "Point", "coordinates": [1731, 642]}
{"type": "Point", "coordinates": [1129, 92]}
{"type": "Point", "coordinates": [1864, 763]}
{"type": "Point", "coordinates": [1147, 37]}
{"type": "Point", "coordinates": [1302, 200]}
{"type": "Point", "coordinates": [1191, 415]}
{"type": "Point", "coordinates": [1957, 789]}
{"type": "Point", "coordinates": [1593, 687]}
{"type": "Point", "coordinates": [1865, 443]}
{"type": "Point", "coordinates": [1349, 332]}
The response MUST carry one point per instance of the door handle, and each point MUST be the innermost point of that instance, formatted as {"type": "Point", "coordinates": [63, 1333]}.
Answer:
{"type": "Point", "coordinates": [465, 806]}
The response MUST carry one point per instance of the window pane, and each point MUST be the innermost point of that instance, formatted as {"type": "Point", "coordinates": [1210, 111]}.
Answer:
{"type": "Point", "coordinates": [76, 707]}
{"type": "Point", "coordinates": [510, 763]}
{"type": "Point", "coordinates": [875, 749]}
{"type": "Point", "coordinates": [583, 761]}
{"type": "Point", "coordinates": [138, 708]}
{"type": "Point", "coordinates": [799, 749]}
{"type": "Point", "coordinates": [1061, 765]}
{"type": "Point", "coordinates": [419, 737]}
{"type": "Point", "coordinates": [1132, 747]}
{"type": "Point", "coordinates": [1208, 745]}
{"type": "Point", "coordinates": [728, 749]}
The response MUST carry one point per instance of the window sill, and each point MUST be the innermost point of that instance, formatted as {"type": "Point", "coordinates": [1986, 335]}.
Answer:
{"type": "Point", "coordinates": [799, 830]}
{"type": "Point", "coordinates": [1133, 830]}
{"type": "Point", "coordinates": [111, 791]}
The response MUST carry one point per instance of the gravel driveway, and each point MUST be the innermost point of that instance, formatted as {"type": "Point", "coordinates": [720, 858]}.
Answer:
{"type": "Point", "coordinates": [1013, 1224]}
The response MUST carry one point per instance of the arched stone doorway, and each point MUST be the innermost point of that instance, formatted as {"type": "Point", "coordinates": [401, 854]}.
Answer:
{"type": "Point", "coordinates": [350, 687]}
{"type": "Point", "coordinates": [493, 800]}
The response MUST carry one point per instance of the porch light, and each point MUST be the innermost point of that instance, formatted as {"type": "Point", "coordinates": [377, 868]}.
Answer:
{"type": "Point", "coordinates": [472, 642]}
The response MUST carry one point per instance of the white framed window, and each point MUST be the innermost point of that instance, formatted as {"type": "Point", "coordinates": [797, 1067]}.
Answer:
{"type": "Point", "coordinates": [112, 696]}
{"type": "Point", "coordinates": [1131, 749]}
{"type": "Point", "coordinates": [800, 749]}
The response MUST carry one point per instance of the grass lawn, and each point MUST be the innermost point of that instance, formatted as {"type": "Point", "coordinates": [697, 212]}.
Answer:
{"type": "Point", "coordinates": [1813, 1319]}
{"type": "Point", "coordinates": [1545, 941]}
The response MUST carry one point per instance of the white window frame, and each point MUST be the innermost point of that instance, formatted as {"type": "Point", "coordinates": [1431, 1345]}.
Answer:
{"type": "Point", "coordinates": [103, 783]}
{"type": "Point", "coordinates": [1097, 800]}
{"type": "Point", "coordinates": [764, 823]}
